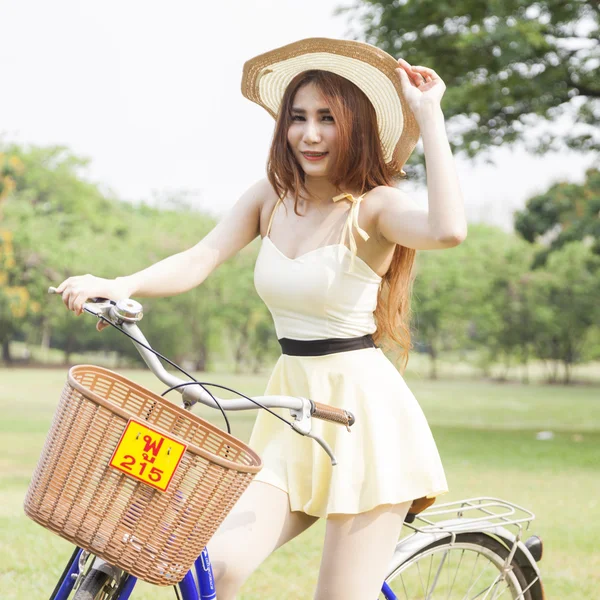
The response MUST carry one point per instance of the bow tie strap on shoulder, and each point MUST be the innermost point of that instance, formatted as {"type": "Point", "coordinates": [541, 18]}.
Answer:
{"type": "Point", "coordinates": [352, 222]}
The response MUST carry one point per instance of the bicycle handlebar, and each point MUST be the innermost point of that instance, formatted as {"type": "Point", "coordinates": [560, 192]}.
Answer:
{"type": "Point", "coordinates": [126, 313]}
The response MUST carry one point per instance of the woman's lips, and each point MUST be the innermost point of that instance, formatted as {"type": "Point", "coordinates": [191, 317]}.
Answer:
{"type": "Point", "coordinates": [314, 156]}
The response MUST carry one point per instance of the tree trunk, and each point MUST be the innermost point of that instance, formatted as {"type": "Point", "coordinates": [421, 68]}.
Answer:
{"type": "Point", "coordinates": [433, 362]}
{"type": "Point", "coordinates": [241, 349]}
{"type": "Point", "coordinates": [554, 371]}
{"type": "Point", "coordinates": [68, 349]}
{"type": "Point", "coordinates": [45, 343]}
{"type": "Point", "coordinates": [239, 357]}
{"type": "Point", "coordinates": [6, 357]}
{"type": "Point", "coordinates": [202, 356]}
{"type": "Point", "coordinates": [504, 376]}
{"type": "Point", "coordinates": [525, 378]}
{"type": "Point", "coordinates": [567, 375]}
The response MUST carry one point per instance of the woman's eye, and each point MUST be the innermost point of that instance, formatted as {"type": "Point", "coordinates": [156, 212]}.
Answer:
{"type": "Point", "coordinates": [297, 118]}
{"type": "Point", "coordinates": [328, 118]}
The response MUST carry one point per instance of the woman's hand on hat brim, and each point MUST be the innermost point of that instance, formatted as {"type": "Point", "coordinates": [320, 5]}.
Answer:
{"type": "Point", "coordinates": [420, 85]}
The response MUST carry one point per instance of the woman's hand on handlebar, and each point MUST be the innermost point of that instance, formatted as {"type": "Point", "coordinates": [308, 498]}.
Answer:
{"type": "Point", "coordinates": [75, 291]}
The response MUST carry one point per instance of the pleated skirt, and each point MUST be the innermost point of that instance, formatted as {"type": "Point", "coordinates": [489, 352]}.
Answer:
{"type": "Point", "coordinates": [388, 457]}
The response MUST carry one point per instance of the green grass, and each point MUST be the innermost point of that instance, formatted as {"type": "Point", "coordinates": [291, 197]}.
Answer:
{"type": "Point", "coordinates": [486, 434]}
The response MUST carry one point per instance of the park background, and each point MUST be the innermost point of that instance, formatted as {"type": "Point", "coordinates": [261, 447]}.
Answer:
{"type": "Point", "coordinates": [125, 138]}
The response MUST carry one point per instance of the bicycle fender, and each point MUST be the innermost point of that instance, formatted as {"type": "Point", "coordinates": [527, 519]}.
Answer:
{"type": "Point", "coordinates": [410, 545]}
{"type": "Point", "coordinates": [523, 558]}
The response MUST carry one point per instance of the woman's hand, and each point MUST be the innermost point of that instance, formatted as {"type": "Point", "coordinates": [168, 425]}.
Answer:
{"type": "Point", "coordinates": [422, 87]}
{"type": "Point", "coordinates": [76, 291]}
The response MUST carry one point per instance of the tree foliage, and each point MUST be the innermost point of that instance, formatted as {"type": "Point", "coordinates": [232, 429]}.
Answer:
{"type": "Point", "coordinates": [565, 292]}
{"type": "Point", "coordinates": [482, 299]}
{"type": "Point", "coordinates": [507, 64]}
{"type": "Point", "coordinates": [61, 225]}
{"type": "Point", "coordinates": [564, 213]}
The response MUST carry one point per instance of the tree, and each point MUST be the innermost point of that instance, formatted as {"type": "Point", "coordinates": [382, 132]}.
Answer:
{"type": "Point", "coordinates": [567, 310]}
{"type": "Point", "coordinates": [508, 65]}
{"type": "Point", "coordinates": [15, 302]}
{"type": "Point", "coordinates": [566, 212]}
{"type": "Point", "coordinates": [503, 308]}
{"type": "Point", "coordinates": [59, 224]}
{"type": "Point", "coordinates": [440, 304]}
{"type": "Point", "coordinates": [474, 297]}
{"type": "Point", "coordinates": [57, 221]}
{"type": "Point", "coordinates": [563, 224]}
{"type": "Point", "coordinates": [10, 167]}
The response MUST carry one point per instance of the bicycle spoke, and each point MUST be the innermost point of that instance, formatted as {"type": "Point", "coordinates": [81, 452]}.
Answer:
{"type": "Point", "coordinates": [429, 577]}
{"type": "Point", "coordinates": [404, 587]}
{"type": "Point", "coordinates": [456, 573]}
{"type": "Point", "coordinates": [494, 586]}
{"type": "Point", "coordinates": [472, 574]}
{"type": "Point", "coordinates": [437, 575]}
{"type": "Point", "coordinates": [475, 582]}
{"type": "Point", "coordinates": [421, 578]}
{"type": "Point", "coordinates": [462, 571]}
{"type": "Point", "coordinates": [531, 584]}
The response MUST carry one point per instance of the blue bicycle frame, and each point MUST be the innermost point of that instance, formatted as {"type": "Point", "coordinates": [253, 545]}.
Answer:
{"type": "Point", "coordinates": [200, 587]}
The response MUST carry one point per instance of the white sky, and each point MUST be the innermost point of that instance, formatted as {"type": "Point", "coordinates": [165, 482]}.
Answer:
{"type": "Point", "coordinates": [149, 91]}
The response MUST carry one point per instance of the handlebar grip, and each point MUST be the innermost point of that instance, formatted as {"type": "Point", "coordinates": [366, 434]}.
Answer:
{"type": "Point", "coordinates": [332, 414]}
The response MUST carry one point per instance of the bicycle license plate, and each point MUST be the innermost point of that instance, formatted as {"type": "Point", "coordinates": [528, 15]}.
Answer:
{"type": "Point", "coordinates": [147, 455]}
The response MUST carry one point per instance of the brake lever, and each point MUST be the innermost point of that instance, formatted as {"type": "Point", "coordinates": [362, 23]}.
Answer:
{"type": "Point", "coordinates": [99, 307]}
{"type": "Point", "coordinates": [302, 425]}
{"type": "Point", "coordinates": [128, 310]}
{"type": "Point", "coordinates": [323, 445]}
{"type": "Point", "coordinates": [53, 290]}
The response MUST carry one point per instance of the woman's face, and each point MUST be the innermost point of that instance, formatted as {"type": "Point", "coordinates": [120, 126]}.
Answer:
{"type": "Point", "coordinates": [312, 136]}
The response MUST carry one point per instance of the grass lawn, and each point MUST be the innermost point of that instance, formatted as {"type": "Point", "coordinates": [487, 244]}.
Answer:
{"type": "Point", "coordinates": [486, 435]}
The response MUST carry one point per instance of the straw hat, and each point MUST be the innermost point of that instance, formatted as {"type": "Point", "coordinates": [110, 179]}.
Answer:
{"type": "Point", "coordinates": [267, 76]}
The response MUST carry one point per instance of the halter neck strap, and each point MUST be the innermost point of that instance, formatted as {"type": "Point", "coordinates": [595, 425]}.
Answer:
{"type": "Point", "coordinates": [352, 222]}
{"type": "Point", "coordinates": [279, 201]}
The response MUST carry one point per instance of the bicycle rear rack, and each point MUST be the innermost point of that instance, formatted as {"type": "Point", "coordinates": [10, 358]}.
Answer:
{"type": "Point", "coordinates": [473, 514]}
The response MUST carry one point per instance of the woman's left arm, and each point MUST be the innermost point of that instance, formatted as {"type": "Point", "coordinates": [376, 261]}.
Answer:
{"type": "Point", "coordinates": [444, 224]}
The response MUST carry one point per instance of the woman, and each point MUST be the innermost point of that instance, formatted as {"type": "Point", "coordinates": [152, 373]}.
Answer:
{"type": "Point", "coordinates": [335, 270]}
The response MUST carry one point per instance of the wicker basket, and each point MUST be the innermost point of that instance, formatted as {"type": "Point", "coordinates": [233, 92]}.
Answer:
{"type": "Point", "coordinates": [154, 535]}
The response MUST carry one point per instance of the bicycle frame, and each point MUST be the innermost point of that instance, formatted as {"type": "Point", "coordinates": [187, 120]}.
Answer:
{"type": "Point", "coordinates": [196, 585]}
{"type": "Point", "coordinates": [484, 515]}
{"type": "Point", "coordinates": [489, 515]}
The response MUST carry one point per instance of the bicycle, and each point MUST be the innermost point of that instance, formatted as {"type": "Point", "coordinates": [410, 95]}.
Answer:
{"type": "Point", "coordinates": [468, 549]}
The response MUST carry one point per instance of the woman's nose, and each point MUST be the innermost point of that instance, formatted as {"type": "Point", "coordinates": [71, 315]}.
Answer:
{"type": "Point", "coordinates": [312, 133]}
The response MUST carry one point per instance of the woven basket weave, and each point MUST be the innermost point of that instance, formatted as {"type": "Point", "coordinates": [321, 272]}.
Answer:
{"type": "Point", "coordinates": [153, 535]}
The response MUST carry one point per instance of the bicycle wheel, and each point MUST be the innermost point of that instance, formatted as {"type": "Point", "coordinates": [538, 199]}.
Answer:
{"type": "Point", "coordinates": [470, 568]}
{"type": "Point", "coordinates": [96, 585]}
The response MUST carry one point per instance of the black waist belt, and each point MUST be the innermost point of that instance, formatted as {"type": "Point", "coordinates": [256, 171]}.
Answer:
{"type": "Point", "coordinates": [322, 347]}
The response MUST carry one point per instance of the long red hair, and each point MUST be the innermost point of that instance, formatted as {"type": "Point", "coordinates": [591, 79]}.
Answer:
{"type": "Point", "coordinates": [359, 165]}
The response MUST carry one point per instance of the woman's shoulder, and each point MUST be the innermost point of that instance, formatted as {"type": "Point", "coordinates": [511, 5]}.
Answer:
{"type": "Point", "coordinates": [260, 195]}
{"type": "Point", "coordinates": [265, 197]}
{"type": "Point", "coordinates": [262, 189]}
{"type": "Point", "coordinates": [383, 197]}
{"type": "Point", "coordinates": [386, 193]}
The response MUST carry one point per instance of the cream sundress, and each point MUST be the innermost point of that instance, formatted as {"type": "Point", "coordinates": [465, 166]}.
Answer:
{"type": "Point", "coordinates": [390, 456]}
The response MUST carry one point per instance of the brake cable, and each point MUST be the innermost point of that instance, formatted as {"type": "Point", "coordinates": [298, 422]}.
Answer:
{"type": "Point", "coordinates": [193, 381]}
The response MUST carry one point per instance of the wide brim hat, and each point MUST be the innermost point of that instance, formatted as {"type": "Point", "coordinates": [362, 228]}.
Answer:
{"type": "Point", "coordinates": [267, 76]}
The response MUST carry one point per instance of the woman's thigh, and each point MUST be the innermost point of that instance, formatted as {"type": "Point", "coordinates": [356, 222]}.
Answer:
{"type": "Point", "coordinates": [357, 552]}
{"type": "Point", "coordinates": [259, 523]}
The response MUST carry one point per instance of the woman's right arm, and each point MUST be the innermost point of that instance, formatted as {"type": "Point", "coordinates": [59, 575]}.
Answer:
{"type": "Point", "coordinates": [183, 271]}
